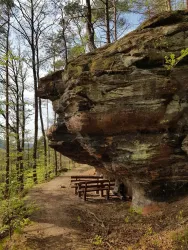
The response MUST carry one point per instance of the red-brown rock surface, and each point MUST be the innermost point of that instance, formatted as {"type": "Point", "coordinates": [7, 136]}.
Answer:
{"type": "Point", "coordinates": [120, 110]}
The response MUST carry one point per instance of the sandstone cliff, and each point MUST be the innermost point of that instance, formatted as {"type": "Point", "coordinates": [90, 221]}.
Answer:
{"type": "Point", "coordinates": [121, 111]}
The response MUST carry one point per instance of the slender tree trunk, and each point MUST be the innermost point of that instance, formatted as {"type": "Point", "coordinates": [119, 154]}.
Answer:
{"type": "Point", "coordinates": [21, 162]}
{"type": "Point", "coordinates": [56, 164]}
{"type": "Point", "coordinates": [55, 152]}
{"type": "Point", "coordinates": [60, 160]}
{"type": "Point", "coordinates": [47, 138]}
{"type": "Point", "coordinates": [65, 44]}
{"type": "Point", "coordinates": [169, 4]}
{"type": "Point", "coordinates": [107, 21]}
{"type": "Point", "coordinates": [28, 155]}
{"type": "Point", "coordinates": [44, 135]}
{"type": "Point", "coordinates": [19, 151]}
{"type": "Point", "coordinates": [41, 118]}
{"type": "Point", "coordinates": [36, 128]}
{"type": "Point", "coordinates": [89, 27]}
{"type": "Point", "coordinates": [115, 20]}
{"type": "Point", "coordinates": [7, 181]}
{"type": "Point", "coordinates": [35, 95]}
{"type": "Point", "coordinates": [23, 137]}
{"type": "Point", "coordinates": [16, 68]}
{"type": "Point", "coordinates": [187, 4]}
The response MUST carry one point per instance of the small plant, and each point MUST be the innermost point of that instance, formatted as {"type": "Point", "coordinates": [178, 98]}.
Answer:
{"type": "Point", "coordinates": [14, 215]}
{"type": "Point", "coordinates": [181, 240]}
{"type": "Point", "coordinates": [171, 61]}
{"type": "Point", "coordinates": [179, 216]}
{"type": "Point", "coordinates": [137, 210]}
{"type": "Point", "coordinates": [97, 241]}
{"type": "Point", "coordinates": [156, 243]}
{"type": "Point", "coordinates": [79, 219]}
{"type": "Point", "coordinates": [127, 219]}
{"type": "Point", "coordinates": [149, 231]}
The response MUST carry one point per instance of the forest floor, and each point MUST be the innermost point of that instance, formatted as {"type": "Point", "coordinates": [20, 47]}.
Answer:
{"type": "Point", "coordinates": [63, 221]}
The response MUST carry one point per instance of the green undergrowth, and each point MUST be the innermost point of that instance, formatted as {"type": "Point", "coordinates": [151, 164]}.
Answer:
{"type": "Point", "coordinates": [180, 240]}
{"type": "Point", "coordinates": [15, 211]}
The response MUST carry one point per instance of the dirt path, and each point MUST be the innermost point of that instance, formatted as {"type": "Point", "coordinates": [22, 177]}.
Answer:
{"type": "Point", "coordinates": [58, 220]}
{"type": "Point", "coordinates": [65, 222]}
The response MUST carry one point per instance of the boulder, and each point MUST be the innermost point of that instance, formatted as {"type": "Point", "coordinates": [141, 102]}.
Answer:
{"type": "Point", "coordinates": [120, 110]}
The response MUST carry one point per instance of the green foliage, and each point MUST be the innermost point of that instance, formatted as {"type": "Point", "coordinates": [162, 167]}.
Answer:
{"type": "Point", "coordinates": [98, 15]}
{"type": "Point", "coordinates": [137, 210]}
{"type": "Point", "coordinates": [149, 231]}
{"type": "Point", "coordinates": [127, 219]}
{"type": "Point", "coordinates": [79, 219]}
{"type": "Point", "coordinates": [73, 8]}
{"type": "Point", "coordinates": [181, 240]}
{"type": "Point", "coordinates": [150, 8]}
{"type": "Point", "coordinates": [123, 6]}
{"type": "Point", "coordinates": [135, 214]}
{"type": "Point", "coordinates": [9, 57]}
{"type": "Point", "coordinates": [8, 3]}
{"type": "Point", "coordinates": [179, 216]}
{"type": "Point", "coordinates": [14, 214]}
{"type": "Point", "coordinates": [58, 64]}
{"type": "Point", "coordinates": [171, 61]}
{"type": "Point", "coordinates": [76, 51]}
{"type": "Point", "coordinates": [98, 240]}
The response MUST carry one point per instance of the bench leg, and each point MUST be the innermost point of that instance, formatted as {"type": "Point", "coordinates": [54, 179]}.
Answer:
{"type": "Point", "coordinates": [97, 192]}
{"type": "Point", "coordinates": [107, 194]}
{"type": "Point", "coordinates": [102, 193]}
{"type": "Point", "coordinates": [84, 195]}
{"type": "Point", "coordinates": [79, 194]}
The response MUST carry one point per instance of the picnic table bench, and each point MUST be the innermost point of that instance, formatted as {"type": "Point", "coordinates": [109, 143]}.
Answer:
{"type": "Point", "coordinates": [84, 187]}
{"type": "Point", "coordinates": [76, 179]}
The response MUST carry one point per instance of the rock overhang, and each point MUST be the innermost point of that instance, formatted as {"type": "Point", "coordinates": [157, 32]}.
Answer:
{"type": "Point", "coordinates": [120, 110]}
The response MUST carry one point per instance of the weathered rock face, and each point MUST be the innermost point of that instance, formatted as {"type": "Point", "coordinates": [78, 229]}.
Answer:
{"type": "Point", "coordinates": [121, 111]}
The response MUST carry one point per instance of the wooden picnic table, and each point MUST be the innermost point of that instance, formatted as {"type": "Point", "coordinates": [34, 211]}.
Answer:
{"type": "Point", "coordinates": [84, 187]}
{"type": "Point", "coordinates": [76, 179]}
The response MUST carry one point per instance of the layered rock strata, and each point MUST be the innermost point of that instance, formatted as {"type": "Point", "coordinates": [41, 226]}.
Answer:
{"type": "Point", "coordinates": [121, 111]}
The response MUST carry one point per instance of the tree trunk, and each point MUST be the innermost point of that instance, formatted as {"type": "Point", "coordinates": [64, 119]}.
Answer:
{"type": "Point", "coordinates": [89, 27]}
{"type": "Point", "coordinates": [187, 4]}
{"type": "Point", "coordinates": [36, 125]}
{"type": "Point", "coordinates": [60, 160]}
{"type": "Point", "coordinates": [65, 44]}
{"type": "Point", "coordinates": [35, 95]}
{"type": "Point", "coordinates": [169, 4]}
{"type": "Point", "coordinates": [48, 148]}
{"type": "Point", "coordinates": [23, 137]}
{"type": "Point", "coordinates": [56, 165]}
{"type": "Point", "coordinates": [19, 107]}
{"type": "Point", "coordinates": [115, 20]}
{"type": "Point", "coordinates": [18, 146]}
{"type": "Point", "coordinates": [28, 155]}
{"type": "Point", "coordinates": [55, 152]}
{"type": "Point", "coordinates": [44, 136]}
{"type": "Point", "coordinates": [107, 21]}
{"type": "Point", "coordinates": [41, 118]}
{"type": "Point", "coordinates": [7, 181]}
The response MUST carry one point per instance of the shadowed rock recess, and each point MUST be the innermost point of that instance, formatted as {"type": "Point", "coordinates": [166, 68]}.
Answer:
{"type": "Point", "coordinates": [122, 112]}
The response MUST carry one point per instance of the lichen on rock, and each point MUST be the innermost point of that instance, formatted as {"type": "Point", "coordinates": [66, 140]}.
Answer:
{"type": "Point", "coordinates": [121, 111]}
